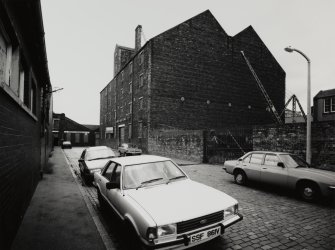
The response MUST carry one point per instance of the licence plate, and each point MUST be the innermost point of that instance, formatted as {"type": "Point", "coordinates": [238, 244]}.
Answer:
{"type": "Point", "coordinates": [210, 233]}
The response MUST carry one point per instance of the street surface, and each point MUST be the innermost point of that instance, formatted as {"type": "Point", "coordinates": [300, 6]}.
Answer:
{"type": "Point", "coordinates": [273, 218]}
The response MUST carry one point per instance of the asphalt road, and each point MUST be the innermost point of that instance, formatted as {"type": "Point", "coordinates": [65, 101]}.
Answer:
{"type": "Point", "coordinates": [273, 218]}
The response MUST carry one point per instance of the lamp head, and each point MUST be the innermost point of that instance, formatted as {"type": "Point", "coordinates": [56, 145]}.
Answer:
{"type": "Point", "coordinates": [289, 49]}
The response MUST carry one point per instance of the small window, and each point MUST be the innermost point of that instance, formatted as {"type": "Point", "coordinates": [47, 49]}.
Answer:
{"type": "Point", "coordinates": [140, 129]}
{"type": "Point", "coordinates": [130, 108]}
{"type": "Point", "coordinates": [327, 104]}
{"type": "Point", "coordinates": [122, 76]}
{"type": "Point", "coordinates": [257, 158]}
{"type": "Point", "coordinates": [141, 103]}
{"type": "Point", "coordinates": [130, 67]}
{"type": "Point", "coordinates": [141, 80]}
{"type": "Point", "coordinates": [130, 87]}
{"type": "Point", "coordinates": [271, 160]}
{"type": "Point", "coordinates": [86, 138]}
{"type": "Point", "coordinates": [141, 58]}
{"type": "Point", "coordinates": [332, 104]}
{"type": "Point", "coordinates": [121, 91]}
{"type": "Point", "coordinates": [129, 131]}
{"type": "Point", "coordinates": [56, 124]}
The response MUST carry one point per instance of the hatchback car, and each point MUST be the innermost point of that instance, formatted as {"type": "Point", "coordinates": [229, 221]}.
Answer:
{"type": "Point", "coordinates": [161, 205]}
{"type": "Point", "coordinates": [92, 160]}
{"type": "Point", "coordinates": [285, 170]}
{"type": "Point", "coordinates": [128, 149]}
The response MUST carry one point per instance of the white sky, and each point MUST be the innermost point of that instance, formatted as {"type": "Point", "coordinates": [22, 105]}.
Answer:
{"type": "Point", "coordinates": [81, 36]}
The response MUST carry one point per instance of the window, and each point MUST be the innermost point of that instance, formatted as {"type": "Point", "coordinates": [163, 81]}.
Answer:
{"type": "Point", "coordinates": [140, 129]}
{"type": "Point", "coordinates": [141, 80]}
{"type": "Point", "coordinates": [130, 87]}
{"type": "Point", "coordinates": [247, 159]}
{"type": "Point", "coordinates": [122, 76]}
{"type": "Point", "coordinates": [271, 160]}
{"type": "Point", "coordinates": [130, 67]}
{"type": "Point", "coordinates": [256, 158]}
{"type": "Point", "coordinates": [130, 108]}
{"type": "Point", "coordinates": [5, 56]}
{"type": "Point", "coordinates": [141, 58]}
{"type": "Point", "coordinates": [329, 104]}
{"type": "Point", "coordinates": [121, 91]}
{"type": "Point", "coordinates": [129, 131]}
{"type": "Point", "coordinates": [33, 98]}
{"type": "Point", "coordinates": [56, 124]}
{"type": "Point", "coordinates": [141, 102]}
{"type": "Point", "coordinates": [109, 171]}
{"type": "Point", "coordinates": [68, 136]}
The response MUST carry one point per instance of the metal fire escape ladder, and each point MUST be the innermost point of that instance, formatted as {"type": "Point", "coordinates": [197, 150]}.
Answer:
{"type": "Point", "coordinates": [265, 94]}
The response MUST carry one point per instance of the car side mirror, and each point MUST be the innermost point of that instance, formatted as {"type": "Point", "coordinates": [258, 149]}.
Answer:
{"type": "Point", "coordinates": [280, 164]}
{"type": "Point", "coordinates": [112, 185]}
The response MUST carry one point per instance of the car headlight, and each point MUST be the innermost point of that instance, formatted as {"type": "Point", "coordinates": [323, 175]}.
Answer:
{"type": "Point", "coordinates": [230, 211]}
{"type": "Point", "coordinates": [166, 230]}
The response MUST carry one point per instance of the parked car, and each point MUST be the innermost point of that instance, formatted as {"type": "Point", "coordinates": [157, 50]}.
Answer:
{"type": "Point", "coordinates": [285, 170]}
{"type": "Point", "coordinates": [93, 159]}
{"type": "Point", "coordinates": [161, 205]}
{"type": "Point", "coordinates": [129, 149]}
{"type": "Point", "coordinates": [66, 144]}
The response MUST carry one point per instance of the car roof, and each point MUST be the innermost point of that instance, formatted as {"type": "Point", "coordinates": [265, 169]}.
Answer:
{"type": "Point", "coordinates": [96, 148]}
{"type": "Point", "coordinates": [139, 159]}
{"type": "Point", "coordinates": [269, 152]}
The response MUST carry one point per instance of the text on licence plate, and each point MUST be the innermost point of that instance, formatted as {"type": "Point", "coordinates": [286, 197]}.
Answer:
{"type": "Point", "coordinates": [205, 234]}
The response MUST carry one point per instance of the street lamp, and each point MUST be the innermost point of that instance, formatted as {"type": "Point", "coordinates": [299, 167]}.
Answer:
{"type": "Point", "coordinates": [309, 117]}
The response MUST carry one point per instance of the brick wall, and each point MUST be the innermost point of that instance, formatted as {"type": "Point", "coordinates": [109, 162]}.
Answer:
{"type": "Point", "coordinates": [292, 138]}
{"type": "Point", "coordinates": [186, 145]}
{"type": "Point", "coordinates": [199, 62]}
{"type": "Point", "coordinates": [19, 165]}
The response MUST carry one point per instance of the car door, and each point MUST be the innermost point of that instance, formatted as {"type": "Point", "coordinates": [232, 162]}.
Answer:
{"type": "Point", "coordinates": [272, 173]}
{"type": "Point", "coordinates": [81, 161]}
{"type": "Point", "coordinates": [115, 195]}
{"type": "Point", "coordinates": [252, 166]}
{"type": "Point", "coordinates": [105, 177]}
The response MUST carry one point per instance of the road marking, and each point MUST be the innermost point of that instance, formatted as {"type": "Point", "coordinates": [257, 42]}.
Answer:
{"type": "Point", "coordinates": [101, 229]}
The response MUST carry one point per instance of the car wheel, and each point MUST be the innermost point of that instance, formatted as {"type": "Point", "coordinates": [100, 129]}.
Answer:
{"type": "Point", "coordinates": [132, 241]}
{"type": "Point", "coordinates": [309, 191]}
{"type": "Point", "coordinates": [240, 177]}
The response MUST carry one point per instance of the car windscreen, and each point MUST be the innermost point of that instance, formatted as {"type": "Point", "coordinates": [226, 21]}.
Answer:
{"type": "Point", "coordinates": [99, 154]}
{"type": "Point", "coordinates": [153, 173]}
{"type": "Point", "coordinates": [293, 161]}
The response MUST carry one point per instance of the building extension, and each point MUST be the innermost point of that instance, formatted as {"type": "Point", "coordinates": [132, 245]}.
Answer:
{"type": "Point", "coordinates": [189, 77]}
{"type": "Point", "coordinates": [25, 110]}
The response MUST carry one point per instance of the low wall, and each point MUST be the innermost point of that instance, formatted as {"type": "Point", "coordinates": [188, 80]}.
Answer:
{"type": "Point", "coordinates": [180, 144]}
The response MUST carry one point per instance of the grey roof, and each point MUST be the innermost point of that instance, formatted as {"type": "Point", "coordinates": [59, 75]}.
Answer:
{"type": "Point", "coordinates": [325, 93]}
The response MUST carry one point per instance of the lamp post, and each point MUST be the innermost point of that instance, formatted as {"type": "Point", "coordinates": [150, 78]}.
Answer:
{"type": "Point", "coordinates": [309, 117]}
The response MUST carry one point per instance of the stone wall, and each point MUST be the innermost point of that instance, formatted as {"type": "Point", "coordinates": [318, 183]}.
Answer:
{"type": "Point", "coordinates": [180, 144]}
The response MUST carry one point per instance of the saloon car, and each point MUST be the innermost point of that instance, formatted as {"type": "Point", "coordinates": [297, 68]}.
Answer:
{"type": "Point", "coordinates": [128, 149]}
{"type": "Point", "coordinates": [161, 204]}
{"type": "Point", "coordinates": [92, 160]}
{"type": "Point", "coordinates": [285, 170]}
{"type": "Point", "coordinates": [66, 144]}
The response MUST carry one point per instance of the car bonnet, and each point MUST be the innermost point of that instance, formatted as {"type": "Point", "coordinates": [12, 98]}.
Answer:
{"type": "Point", "coordinates": [180, 201]}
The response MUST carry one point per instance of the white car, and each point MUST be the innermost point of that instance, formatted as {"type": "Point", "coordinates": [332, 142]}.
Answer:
{"type": "Point", "coordinates": [159, 202]}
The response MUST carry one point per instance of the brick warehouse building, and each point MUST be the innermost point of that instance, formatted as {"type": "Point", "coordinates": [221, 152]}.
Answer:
{"type": "Point", "coordinates": [191, 76]}
{"type": "Point", "coordinates": [65, 129]}
{"type": "Point", "coordinates": [25, 110]}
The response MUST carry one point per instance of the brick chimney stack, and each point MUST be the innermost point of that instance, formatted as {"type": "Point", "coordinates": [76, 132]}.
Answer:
{"type": "Point", "coordinates": [138, 33]}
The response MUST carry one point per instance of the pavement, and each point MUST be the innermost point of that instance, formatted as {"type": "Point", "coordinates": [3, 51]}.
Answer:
{"type": "Point", "coordinates": [58, 217]}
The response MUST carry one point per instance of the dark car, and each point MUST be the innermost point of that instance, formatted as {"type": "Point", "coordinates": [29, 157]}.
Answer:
{"type": "Point", "coordinates": [92, 160]}
{"type": "Point", "coordinates": [128, 149]}
{"type": "Point", "coordinates": [66, 144]}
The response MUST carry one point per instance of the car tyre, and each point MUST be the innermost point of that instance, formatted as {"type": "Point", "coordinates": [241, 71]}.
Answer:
{"type": "Point", "coordinates": [309, 191]}
{"type": "Point", "coordinates": [132, 241]}
{"type": "Point", "coordinates": [240, 177]}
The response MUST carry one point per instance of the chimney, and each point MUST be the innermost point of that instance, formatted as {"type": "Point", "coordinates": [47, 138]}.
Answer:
{"type": "Point", "coordinates": [138, 33]}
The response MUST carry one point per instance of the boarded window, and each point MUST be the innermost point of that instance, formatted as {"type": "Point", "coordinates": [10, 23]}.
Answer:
{"type": "Point", "coordinates": [77, 137]}
{"type": "Point", "coordinates": [86, 138]}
